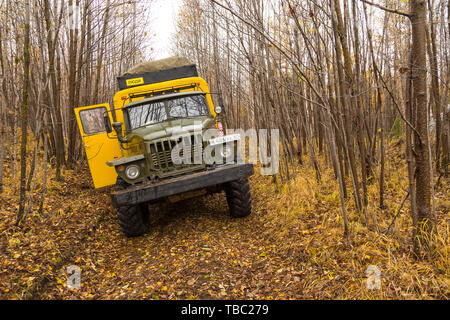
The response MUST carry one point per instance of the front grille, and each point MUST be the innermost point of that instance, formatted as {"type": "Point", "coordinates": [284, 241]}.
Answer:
{"type": "Point", "coordinates": [161, 154]}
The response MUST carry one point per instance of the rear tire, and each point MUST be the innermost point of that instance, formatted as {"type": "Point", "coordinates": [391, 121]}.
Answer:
{"type": "Point", "coordinates": [133, 220]}
{"type": "Point", "coordinates": [239, 198]}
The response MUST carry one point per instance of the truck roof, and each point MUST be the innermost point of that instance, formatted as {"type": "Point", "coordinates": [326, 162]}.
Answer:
{"type": "Point", "coordinates": [157, 71]}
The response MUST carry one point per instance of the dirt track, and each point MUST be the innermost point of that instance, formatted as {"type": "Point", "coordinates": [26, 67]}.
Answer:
{"type": "Point", "coordinates": [193, 250]}
{"type": "Point", "coordinates": [290, 247]}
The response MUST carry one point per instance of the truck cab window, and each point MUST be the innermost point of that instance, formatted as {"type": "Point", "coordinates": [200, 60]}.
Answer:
{"type": "Point", "coordinates": [146, 114]}
{"type": "Point", "coordinates": [190, 106]}
{"type": "Point", "coordinates": [158, 111]}
{"type": "Point", "coordinates": [92, 120]}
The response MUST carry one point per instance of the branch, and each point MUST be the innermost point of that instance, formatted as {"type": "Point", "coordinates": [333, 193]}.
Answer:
{"type": "Point", "coordinates": [386, 9]}
{"type": "Point", "coordinates": [396, 215]}
{"type": "Point", "coordinates": [272, 42]}
{"type": "Point", "coordinates": [397, 106]}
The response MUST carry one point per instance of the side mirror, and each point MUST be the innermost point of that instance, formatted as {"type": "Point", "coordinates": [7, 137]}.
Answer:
{"type": "Point", "coordinates": [220, 108]}
{"type": "Point", "coordinates": [118, 129]}
{"type": "Point", "coordinates": [107, 123]}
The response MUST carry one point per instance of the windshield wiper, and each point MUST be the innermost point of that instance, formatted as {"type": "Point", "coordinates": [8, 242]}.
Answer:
{"type": "Point", "coordinates": [177, 118]}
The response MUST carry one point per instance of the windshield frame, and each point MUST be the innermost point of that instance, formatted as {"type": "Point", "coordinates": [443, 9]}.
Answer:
{"type": "Point", "coordinates": [164, 100]}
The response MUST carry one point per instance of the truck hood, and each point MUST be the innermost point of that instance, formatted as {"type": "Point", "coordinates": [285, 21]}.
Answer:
{"type": "Point", "coordinates": [171, 128]}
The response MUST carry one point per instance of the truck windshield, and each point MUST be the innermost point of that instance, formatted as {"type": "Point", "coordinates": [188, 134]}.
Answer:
{"type": "Point", "coordinates": [169, 109]}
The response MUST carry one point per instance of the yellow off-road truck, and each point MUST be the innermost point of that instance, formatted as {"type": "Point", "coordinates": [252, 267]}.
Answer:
{"type": "Point", "coordinates": [155, 144]}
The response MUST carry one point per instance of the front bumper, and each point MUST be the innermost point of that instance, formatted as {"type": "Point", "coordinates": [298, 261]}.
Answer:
{"type": "Point", "coordinates": [199, 180]}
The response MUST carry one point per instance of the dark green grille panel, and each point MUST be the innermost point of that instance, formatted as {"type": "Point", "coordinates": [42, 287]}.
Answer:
{"type": "Point", "coordinates": [161, 156]}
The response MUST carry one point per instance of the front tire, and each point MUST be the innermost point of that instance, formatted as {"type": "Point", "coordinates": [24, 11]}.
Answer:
{"type": "Point", "coordinates": [133, 220]}
{"type": "Point", "coordinates": [239, 198]}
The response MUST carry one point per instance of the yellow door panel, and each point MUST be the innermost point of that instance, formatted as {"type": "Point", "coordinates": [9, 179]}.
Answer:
{"type": "Point", "coordinates": [99, 147]}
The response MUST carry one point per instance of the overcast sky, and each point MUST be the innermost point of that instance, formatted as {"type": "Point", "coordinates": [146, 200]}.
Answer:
{"type": "Point", "coordinates": [164, 17]}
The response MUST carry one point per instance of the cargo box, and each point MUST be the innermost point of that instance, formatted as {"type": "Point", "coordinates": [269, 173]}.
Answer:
{"type": "Point", "coordinates": [133, 80]}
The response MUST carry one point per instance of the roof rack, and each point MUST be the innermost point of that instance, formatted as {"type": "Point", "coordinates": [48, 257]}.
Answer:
{"type": "Point", "coordinates": [163, 91]}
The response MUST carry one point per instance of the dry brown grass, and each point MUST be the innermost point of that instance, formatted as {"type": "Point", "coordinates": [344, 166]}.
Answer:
{"type": "Point", "coordinates": [305, 219]}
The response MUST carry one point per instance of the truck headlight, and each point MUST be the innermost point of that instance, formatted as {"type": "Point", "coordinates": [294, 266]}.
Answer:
{"type": "Point", "coordinates": [132, 171]}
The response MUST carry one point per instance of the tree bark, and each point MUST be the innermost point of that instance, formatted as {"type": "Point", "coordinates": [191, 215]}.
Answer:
{"type": "Point", "coordinates": [424, 225]}
{"type": "Point", "coordinates": [24, 125]}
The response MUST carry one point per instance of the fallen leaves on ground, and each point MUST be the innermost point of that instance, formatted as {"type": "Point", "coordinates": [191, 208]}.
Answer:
{"type": "Point", "coordinates": [291, 247]}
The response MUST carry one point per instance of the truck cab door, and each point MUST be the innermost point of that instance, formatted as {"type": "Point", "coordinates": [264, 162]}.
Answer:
{"type": "Point", "coordinates": [99, 147]}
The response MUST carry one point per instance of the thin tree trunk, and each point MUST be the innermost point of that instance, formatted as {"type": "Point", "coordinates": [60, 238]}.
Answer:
{"type": "Point", "coordinates": [44, 178]}
{"type": "Point", "coordinates": [24, 125]}
{"type": "Point", "coordinates": [424, 225]}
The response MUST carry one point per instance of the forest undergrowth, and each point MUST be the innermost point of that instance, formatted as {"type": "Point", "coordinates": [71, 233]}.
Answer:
{"type": "Point", "coordinates": [291, 247]}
